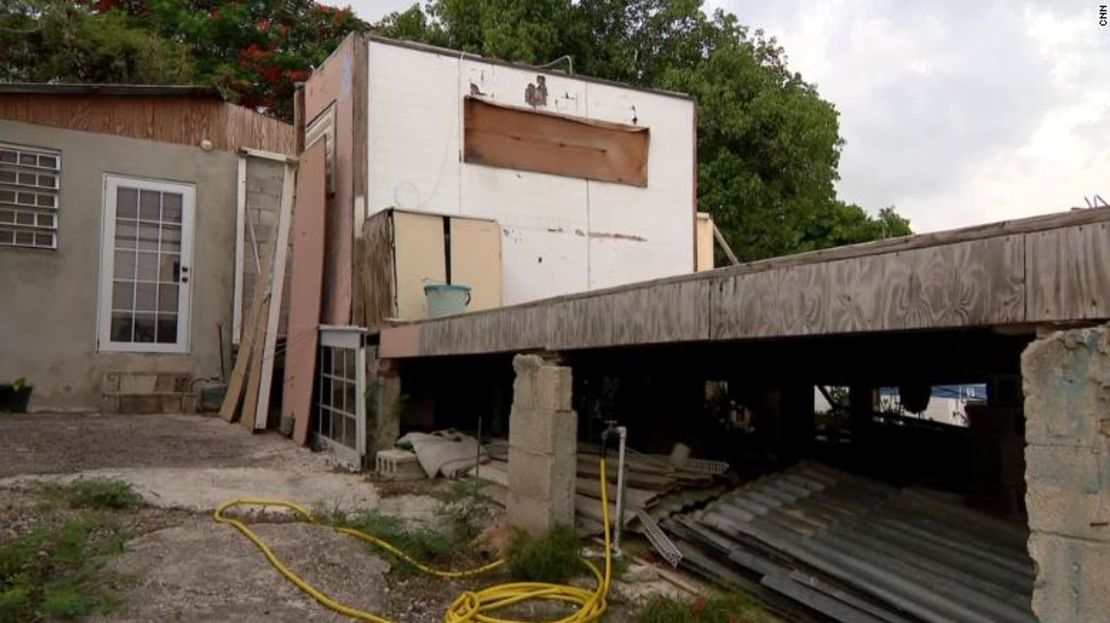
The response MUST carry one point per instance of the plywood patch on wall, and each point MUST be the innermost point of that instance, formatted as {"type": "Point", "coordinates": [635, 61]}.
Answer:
{"type": "Point", "coordinates": [420, 259]}
{"type": "Point", "coordinates": [514, 138]}
{"type": "Point", "coordinates": [476, 261]}
{"type": "Point", "coordinates": [1069, 273]}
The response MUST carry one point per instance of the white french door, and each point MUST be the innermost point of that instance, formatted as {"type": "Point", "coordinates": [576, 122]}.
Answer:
{"type": "Point", "coordinates": [145, 265]}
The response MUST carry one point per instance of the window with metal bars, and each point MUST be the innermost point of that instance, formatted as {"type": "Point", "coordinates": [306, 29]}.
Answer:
{"type": "Point", "coordinates": [30, 178]}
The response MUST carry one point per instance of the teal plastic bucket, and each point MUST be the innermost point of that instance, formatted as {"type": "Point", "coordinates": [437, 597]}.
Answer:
{"type": "Point", "coordinates": [446, 299]}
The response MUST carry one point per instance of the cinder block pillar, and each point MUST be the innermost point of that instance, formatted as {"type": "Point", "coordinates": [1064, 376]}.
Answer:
{"type": "Point", "coordinates": [1067, 472]}
{"type": "Point", "coordinates": [543, 459]}
{"type": "Point", "coordinates": [383, 421]}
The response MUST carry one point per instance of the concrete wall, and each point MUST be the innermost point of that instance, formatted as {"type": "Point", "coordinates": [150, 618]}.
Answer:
{"type": "Point", "coordinates": [559, 234]}
{"type": "Point", "coordinates": [49, 299]}
{"type": "Point", "coordinates": [1067, 407]}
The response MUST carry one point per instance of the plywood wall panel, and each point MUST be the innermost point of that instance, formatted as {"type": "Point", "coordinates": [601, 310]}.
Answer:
{"type": "Point", "coordinates": [516, 329]}
{"type": "Point", "coordinates": [703, 243]}
{"type": "Point", "coordinates": [530, 140]}
{"type": "Point", "coordinates": [419, 258]}
{"type": "Point", "coordinates": [677, 312]}
{"type": "Point", "coordinates": [1069, 273]}
{"type": "Point", "coordinates": [476, 261]}
{"type": "Point", "coordinates": [306, 288]}
{"type": "Point", "coordinates": [787, 302]}
{"type": "Point", "coordinates": [333, 84]}
{"type": "Point", "coordinates": [974, 283]}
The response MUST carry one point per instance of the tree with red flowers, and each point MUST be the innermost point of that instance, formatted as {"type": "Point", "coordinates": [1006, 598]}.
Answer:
{"type": "Point", "coordinates": [254, 51]}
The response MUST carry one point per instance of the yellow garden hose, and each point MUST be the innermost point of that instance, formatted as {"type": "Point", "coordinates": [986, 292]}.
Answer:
{"type": "Point", "coordinates": [471, 606]}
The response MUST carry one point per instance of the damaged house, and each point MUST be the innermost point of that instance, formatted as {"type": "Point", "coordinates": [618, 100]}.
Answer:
{"type": "Point", "coordinates": [442, 241]}
{"type": "Point", "coordinates": [117, 231]}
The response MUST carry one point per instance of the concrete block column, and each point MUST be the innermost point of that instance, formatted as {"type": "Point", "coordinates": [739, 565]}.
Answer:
{"type": "Point", "coordinates": [1067, 472]}
{"type": "Point", "coordinates": [383, 417]}
{"type": "Point", "coordinates": [543, 448]}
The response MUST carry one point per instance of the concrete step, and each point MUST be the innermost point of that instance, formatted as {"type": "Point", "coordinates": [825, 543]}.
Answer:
{"type": "Point", "coordinates": [147, 392]}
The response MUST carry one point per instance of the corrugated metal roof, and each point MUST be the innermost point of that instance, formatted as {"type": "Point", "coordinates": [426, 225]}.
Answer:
{"type": "Point", "coordinates": [139, 90]}
{"type": "Point", "coordinates": [859, 550]}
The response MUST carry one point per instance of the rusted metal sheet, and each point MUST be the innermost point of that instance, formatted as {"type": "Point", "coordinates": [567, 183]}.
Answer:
{"type": "Point", "coordinates": [306, 289]}
{"type": "Point", "coordinates": [515, 138]}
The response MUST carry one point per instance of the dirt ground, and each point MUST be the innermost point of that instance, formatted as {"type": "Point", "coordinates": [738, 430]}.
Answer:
{"type": "Point", "coordinates": [181, 565]}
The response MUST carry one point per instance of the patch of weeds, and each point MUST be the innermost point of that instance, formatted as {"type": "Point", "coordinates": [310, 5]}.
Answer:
{"type": "Point", "coordinates": [552, 557]}
{"type": "Point", "coordinates": [733, 608]}
{"type": "Point", "coordinates": [423, 544]}
{"type": "Point", "coordinates": [464, 509]}
{"type": "Point", "coordinates": [94, 493]}
{"type": "Point", "coordinates": [58, 573]}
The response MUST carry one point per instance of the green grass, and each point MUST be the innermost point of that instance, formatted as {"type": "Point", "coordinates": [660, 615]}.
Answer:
{"type": "Point", "coordinates": [464, 509]}
{"type": "Point", "coordinates": [424, 544]}
{"type": "Point", "coordinates": [552, 557]}
{"type": "Point", "coordinates": [93, 493]}
{"type": "Point", "coordinates": [734, 608]}
{"type": "Point", "coordinates": [57, 573]}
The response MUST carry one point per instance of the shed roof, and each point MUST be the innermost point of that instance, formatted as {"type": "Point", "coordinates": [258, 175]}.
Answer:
{"type": "Point", "coordinates": [182, 114]}
{"type": "Point", "coordinates": [132, 90]}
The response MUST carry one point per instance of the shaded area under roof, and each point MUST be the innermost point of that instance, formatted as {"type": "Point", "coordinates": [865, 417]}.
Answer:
{"type": "Point", "coordinates": [133, 90]}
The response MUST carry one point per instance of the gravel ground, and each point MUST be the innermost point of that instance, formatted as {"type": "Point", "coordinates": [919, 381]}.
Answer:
{"type": "Point", "coordinates": [46, 443]}
{"type": "Point", "coordinates": [181, 565]}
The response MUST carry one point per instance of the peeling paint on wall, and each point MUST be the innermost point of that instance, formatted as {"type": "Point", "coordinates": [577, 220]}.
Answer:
{"type": "Point", "coordinates": [617, 236]}
{"type": "Point", "coordinates": [535, 94]}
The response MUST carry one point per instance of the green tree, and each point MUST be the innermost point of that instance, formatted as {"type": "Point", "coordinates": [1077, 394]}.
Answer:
{"type": "Point", "coordinates": [60, 41]}
{"type": "Point", "coordinates": [253, 50]}
{"type": "Point", "coordinates": [768, 145]}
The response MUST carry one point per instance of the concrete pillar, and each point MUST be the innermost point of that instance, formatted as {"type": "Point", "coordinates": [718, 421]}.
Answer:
{"type": "Point", "coordinates": [383, 409]}
{"type": "Point", "coordinates": [1067, 471]}
{"type": "Point", "coordinates": [543, 447]}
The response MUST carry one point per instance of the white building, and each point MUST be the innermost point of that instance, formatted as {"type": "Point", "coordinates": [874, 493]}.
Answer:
{"type": "Point", "coordinates": [591, 184]}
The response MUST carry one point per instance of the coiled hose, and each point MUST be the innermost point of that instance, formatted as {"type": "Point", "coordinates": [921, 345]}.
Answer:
{"type": "Point", "coordinates": [470, 606]}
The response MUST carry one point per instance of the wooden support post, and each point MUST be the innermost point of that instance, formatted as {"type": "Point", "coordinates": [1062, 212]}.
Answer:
{"type": "Point", "coordinates": [229, 410]}
{"type": "Point", "coordinates": [298, 118]}
{"type": "Point", "coordinates": [724, 245]}
{"type": "Point", "coordinates": [265, 366]}
{"type": "Point", "coordinates": [240, 240]}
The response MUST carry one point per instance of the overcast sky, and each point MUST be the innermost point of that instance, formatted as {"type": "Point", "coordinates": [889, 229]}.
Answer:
{"type": "Point", "coordinates": [955, 112]}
